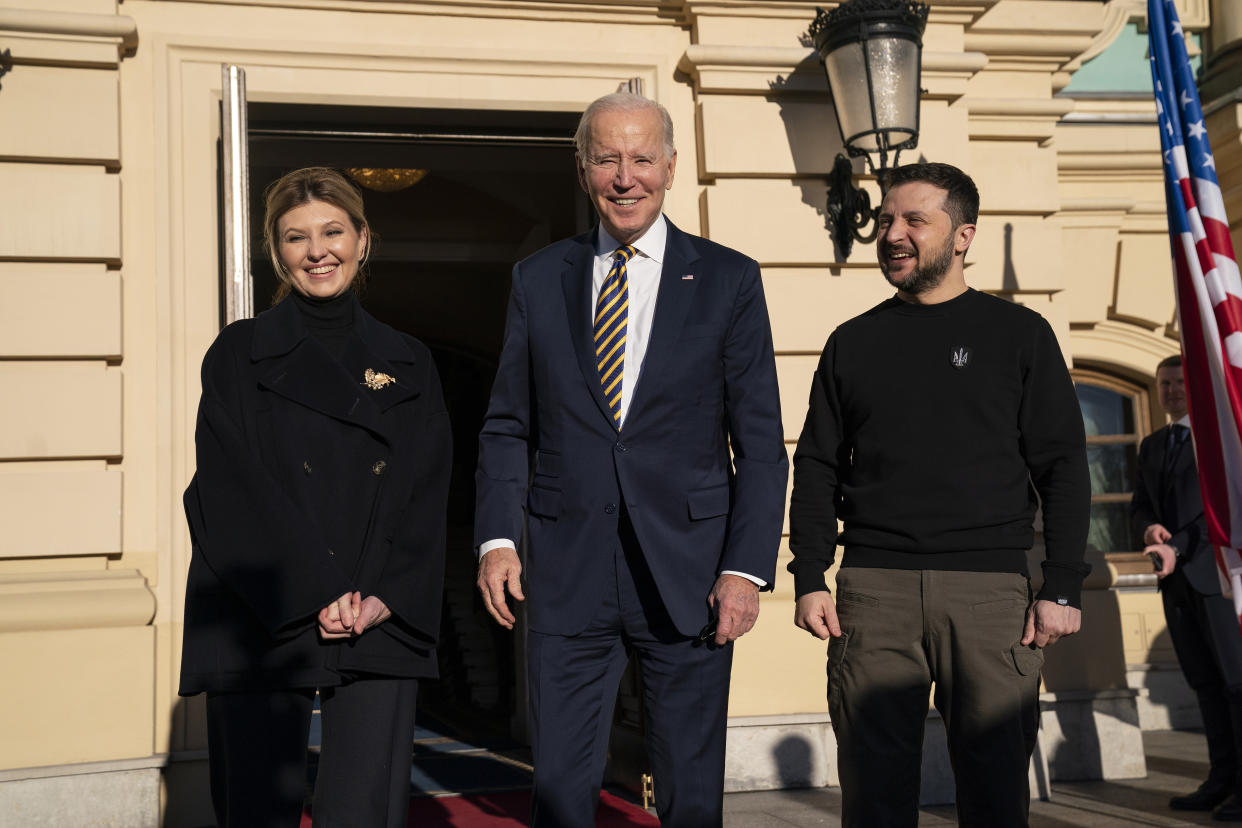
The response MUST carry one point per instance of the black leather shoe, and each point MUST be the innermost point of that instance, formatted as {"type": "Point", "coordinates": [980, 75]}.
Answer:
{"type": "Point", "coordinates": [1229, 810]}
{"type": "Point", "coordinates": [1205, 798]}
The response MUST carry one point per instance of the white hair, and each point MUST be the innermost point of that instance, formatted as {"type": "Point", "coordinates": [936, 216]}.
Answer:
{"type": "Point", "coordinates": [622, 102]}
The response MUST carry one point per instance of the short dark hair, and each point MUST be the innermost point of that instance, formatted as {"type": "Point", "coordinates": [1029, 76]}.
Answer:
{"type": "Point", "coordinates": [1174, 361]}
{"type": "Point", "coordinates": [961, 199]}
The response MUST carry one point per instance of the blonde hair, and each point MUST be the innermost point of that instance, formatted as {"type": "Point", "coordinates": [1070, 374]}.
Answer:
{"type": "Point", "coordinates": [299, 187]}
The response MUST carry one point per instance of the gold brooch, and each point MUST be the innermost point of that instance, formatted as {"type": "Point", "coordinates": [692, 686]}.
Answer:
{"type": "Point", "coordinates": [376, 381]}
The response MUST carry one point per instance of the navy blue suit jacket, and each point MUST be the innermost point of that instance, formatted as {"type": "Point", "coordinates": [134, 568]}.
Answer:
{"type": "Point", "coordinates": [549, 448]}
{"type": "Point", "coordinates": [1156, 491]}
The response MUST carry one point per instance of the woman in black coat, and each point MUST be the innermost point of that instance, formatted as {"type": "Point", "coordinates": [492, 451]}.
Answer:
{"type": "Point", "coordinates": [317, 515]}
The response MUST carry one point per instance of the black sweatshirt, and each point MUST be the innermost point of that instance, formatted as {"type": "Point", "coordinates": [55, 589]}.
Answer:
{"type": "Point", "coordinates": [927, 426]}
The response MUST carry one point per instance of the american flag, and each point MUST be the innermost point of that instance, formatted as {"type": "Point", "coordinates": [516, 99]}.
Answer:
{"type": "Point", "coordinates": [1209, 291]}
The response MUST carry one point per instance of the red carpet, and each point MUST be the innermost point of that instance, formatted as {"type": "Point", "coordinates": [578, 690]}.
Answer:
{"type": "Point", "coordinates": [509, 810]}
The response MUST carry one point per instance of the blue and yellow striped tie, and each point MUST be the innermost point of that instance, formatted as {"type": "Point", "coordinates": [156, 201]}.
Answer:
{"type": "Point", "coordinates": [612, 311]}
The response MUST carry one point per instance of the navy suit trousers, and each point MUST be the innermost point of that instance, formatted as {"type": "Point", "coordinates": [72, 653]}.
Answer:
{"type": "Point", "coordinates": [573, 686]}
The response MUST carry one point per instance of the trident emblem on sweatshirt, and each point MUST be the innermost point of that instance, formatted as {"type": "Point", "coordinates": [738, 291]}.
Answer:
{"type": "Point", "coordinates": [961, 356]}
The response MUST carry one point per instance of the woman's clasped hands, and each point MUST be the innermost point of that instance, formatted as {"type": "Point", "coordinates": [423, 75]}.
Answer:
{"type": "Point", "coordinates": [351, 615]}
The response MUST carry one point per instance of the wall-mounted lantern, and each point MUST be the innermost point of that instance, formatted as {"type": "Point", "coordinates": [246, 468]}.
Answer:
{"type": "Point", "coordinates": [872, 52]}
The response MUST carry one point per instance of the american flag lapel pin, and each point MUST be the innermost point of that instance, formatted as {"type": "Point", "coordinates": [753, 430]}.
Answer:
{"type": "Point", "coordinates": [687, 277]}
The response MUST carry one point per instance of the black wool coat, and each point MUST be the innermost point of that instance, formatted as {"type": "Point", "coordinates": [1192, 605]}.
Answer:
{"type": "Point", "coordinates": [310, 483]}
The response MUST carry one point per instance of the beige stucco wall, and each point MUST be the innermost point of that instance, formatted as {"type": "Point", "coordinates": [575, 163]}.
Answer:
{"type": "Point", "coordinates": [77, 632]}
{"type": "Point", "coordinates": [109, 261]}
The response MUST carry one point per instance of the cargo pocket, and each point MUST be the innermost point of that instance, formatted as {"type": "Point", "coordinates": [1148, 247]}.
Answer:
{"type": "Point", "coordinates": [856, 598]}
{"type": "Point", "coordinates": [1028, 660]}
{"type": "Point", "coordinates": [836, 658]}
{"type": "Point", "coordinates": [1003, 605]}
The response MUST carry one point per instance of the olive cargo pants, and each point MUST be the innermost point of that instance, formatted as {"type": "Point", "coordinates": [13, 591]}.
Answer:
{"type": "Point", "coordinates": [903, 632]}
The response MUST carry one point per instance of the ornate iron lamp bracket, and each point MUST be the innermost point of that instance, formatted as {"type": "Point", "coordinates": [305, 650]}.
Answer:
{"type": "Point", "coordinates": [849, 209]}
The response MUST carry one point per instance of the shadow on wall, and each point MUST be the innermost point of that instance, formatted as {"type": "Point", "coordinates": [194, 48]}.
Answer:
{"type": "Point", "coordinates": [813, 149]}
{"type": "Point", "coordinates": [815, 140]}
{"type": "Point", "coordinates": [1094, 715]}
{"type": "Point", "coordinates": [794, 760]}
{"type": "Point", "coordinates": [1170, 701]}
{"type": "Point", "coordinates": [1009, 276]}
{"type": "Point", "coordinates": [186, 794]}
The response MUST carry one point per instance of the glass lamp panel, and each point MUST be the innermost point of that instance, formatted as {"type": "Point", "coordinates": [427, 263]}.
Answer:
{"type": "Point", "coordinates": [847, 75]}
{"type": "Point", "coordinates": [895, 76]}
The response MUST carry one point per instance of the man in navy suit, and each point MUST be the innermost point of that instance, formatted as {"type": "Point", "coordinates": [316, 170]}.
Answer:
{"type": "Point", "coordinates": [1167, 510]}
{"type": "Point", "coordinates": [637, 359]}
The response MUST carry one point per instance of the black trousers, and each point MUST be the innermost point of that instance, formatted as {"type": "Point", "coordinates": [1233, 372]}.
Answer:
{"type": "Point", "coordinates": [573, 689]}
{"type": "Point", "coordinates": [256, 744]}
{"type": "Point", "coordinates": [1205, 637]}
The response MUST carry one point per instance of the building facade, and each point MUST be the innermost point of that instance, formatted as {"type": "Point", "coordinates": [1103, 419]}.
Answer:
{"type": "Point", "coordinates": [112, 255]}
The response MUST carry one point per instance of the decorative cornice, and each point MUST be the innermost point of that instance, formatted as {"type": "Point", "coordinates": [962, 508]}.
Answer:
{"type": "Point", "coordinates": [75, 600]}
{"type": "Point", "coordinates": [1099, 204]}
{"type": "Point", "coordinates": [1109, 161]}
{"type": "Point", "coordinates": [1027, 45]}
{"type": "Point", "coordinates": [1117, 13]}
{"type": "Point", "coordinates": [722, 67]}
{"type": "Point", "coordinates": [1121, 344]}
{"type": "Point", "coordinates": [787, 58]}
{"type": "Point", "coordinates": [1020, 107]}
{"type": "Point", "coordinates": [1016, 118]}
{"type": "Point", "coordinates": [662, 12]}
{"type": "Point", "coordinates": [1194, 14]}
{"type": "Point", "coordinates": [119, 26]}
{"type": "Point", "coordinates": [1108, 118]}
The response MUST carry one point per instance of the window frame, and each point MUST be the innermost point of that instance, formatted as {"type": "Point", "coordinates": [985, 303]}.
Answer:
{"type": "Point", "coordinates": [1141, 399]}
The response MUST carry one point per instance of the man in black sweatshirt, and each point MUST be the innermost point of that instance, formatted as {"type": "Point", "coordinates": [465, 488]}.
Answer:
{"type": "Point", "coordinates": [935, 419]}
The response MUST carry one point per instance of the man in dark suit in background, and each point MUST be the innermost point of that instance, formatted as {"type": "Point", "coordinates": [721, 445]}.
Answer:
{"type": "Point", "coordinates": [636, 359]}
{"type": "Point", "coordinates": [1167, 509]}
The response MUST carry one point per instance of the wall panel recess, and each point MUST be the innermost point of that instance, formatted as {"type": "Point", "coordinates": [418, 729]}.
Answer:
{"type": "Point", "coordinates": [59, 310]}
{"type": "Point", "coordinates": [48, 513]}
{"type": "Point", "coordinates": [776, 221]}
{"type": "Point", "coordinates": [60, 410]}
{"type": "Point", "coordinates": [794, 375]}
{"type": "Point", "coordinates": [66, 114]}
{"type": "Point", "coordinates": [797, 136]}
{"type": "Point", "coordinates": [807, 303]}
{"type": "Point", "coordinates": [89, 687]}
{"type": "Point", "coordinates": [64, 212]}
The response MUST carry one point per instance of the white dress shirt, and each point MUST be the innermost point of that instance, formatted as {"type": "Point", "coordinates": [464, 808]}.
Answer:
{"type": "Point", "coordinates": [643, 275]}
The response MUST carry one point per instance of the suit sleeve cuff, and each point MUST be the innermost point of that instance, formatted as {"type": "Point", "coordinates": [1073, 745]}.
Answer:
{"type": "Point", "coordinates": [757, 581]}
{"type": "Point", "coordinates": [498, 543]}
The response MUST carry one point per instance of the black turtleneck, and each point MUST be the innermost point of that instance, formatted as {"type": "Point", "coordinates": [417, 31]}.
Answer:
{"type": "Point", "coordinates": [328, 321]}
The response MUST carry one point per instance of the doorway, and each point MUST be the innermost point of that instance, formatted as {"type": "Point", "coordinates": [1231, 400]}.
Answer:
{"type": "Point", "coordinates": [454, 199]}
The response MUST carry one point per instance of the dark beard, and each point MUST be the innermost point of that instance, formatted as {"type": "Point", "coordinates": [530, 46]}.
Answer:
{"type": "Point", "coordinates": [925, 277]}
